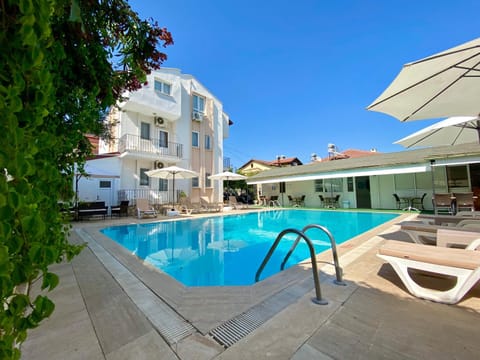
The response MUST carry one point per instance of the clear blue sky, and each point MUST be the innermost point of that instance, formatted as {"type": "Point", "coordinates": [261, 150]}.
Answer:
{"type": "Point", "coordinates": [295, 76]}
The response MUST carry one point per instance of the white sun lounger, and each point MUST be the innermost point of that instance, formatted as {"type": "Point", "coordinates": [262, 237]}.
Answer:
{"type": "Point", "coordinates": [143, 208]}
{"type": "Point", "coordinates": [422, 233]}
{"type": "Point", "coordinates": [462, 264]}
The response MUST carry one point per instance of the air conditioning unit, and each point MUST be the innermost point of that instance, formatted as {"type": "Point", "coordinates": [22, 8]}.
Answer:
{"type": "Point", "coordinates": [158, 165]}
{"type": "Point", "coordinates": [196, 116]}
{"type": "Point", "coordinates": [159, 121]}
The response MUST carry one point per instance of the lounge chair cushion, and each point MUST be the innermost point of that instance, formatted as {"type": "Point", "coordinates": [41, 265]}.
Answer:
{"type": "Point", "coordinates": [459, 258]}
{"type": "Point", "coordinates": [422, 233]}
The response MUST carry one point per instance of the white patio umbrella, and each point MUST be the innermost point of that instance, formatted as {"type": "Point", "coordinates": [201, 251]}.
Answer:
{"type": "Point", "coordinates": [172, 172]}
{"type": "Point", "coordinates": [444, 84]}
{"type": "Point", "coordinates": [451, 131]}
{"type": "Point", "coordinates": [227, 175]}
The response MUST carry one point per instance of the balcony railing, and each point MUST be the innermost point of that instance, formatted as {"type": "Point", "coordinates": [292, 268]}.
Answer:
{"type": "Point", "coordinates": [155, 197]}
{"type": "Point", "coordinates": [154, 146]}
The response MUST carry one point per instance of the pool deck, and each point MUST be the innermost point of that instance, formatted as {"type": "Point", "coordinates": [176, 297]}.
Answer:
{"type": "Point", "coordinates": [111, 306]}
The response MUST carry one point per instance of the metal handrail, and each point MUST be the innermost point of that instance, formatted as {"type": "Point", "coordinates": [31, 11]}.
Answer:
{"type": "Point", "coordinates": [338, 269]}
{"type": "Point", "coordinates": [318, 299]}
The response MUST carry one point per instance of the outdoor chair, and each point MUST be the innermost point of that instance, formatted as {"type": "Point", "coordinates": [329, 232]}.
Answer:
{"type": "Point", "coordinates": [322, 200]}
{"type": "Point", "coordinates": [144, 209]}
{"type": "Point", "coordinates": [417, 203]}
{"type": "Point", "coordinates": [442, 202]}
{"type": "Point", "coordinates": [273, 201]}
{"type": "Point", "coordinates": [464, 201]}
{"type": "Point", "coordinates": [401, 203]}
{"type": "Point", "coordinates": [462, 264]}
{"type": "Point", "coordinates": [291, 200]}
{"type": "Point", "coordinates": [120, 210]}
{"type": "Point", "coordinates": [302, 200]}
{"type": "Point", "coordinates": [336, 201]}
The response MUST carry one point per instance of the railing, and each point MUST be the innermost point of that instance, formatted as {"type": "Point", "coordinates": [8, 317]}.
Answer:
{"type": "Point", "coordinates": [301, 235]}
{"type": "Point", "coordinates": [338, 269]}
{"type": "Point", "coordinates": [155, 146]}
{"type": "Point", "coordinates": [155, 197]}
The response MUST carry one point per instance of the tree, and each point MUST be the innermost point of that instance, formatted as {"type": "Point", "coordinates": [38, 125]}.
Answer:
{"type": "Point", "coordinates": [63, 64]}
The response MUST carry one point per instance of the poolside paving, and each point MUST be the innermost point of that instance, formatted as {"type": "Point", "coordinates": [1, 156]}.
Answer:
{"type": "Point", "coordinates": [109, 306]}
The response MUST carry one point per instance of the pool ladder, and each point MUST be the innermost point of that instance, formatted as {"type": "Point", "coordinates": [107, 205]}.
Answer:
{"type": "Point", "coordinates": [301, 235]}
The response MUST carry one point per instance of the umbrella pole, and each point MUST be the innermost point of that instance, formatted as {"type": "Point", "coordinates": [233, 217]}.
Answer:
{"type": "Point", "coordinates": [432, 169]}
{"type": "Point", "coordinates": [173, 191]}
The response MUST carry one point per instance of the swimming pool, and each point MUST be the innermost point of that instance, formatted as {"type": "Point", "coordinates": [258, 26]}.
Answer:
{"type": "Point", "coordinates": [227, 250]}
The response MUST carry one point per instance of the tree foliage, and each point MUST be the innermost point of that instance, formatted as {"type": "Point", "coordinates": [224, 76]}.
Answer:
{"type": "Point", "coordinates": [63, 63]}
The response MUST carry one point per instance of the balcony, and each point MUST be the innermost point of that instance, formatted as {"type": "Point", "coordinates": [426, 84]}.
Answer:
{"type": "Point", "coordinates": [155, 197]}
{"type": "Point", "coordinates": [134, 145]}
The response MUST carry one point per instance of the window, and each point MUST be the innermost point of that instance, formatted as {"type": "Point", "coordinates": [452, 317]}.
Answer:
{"type": "Point", "coordinates": [350, 184]}
{"type": "Point", "coordinates": [333, 185]}
{"type": "Point", "coordinates": [208, 146]}
{"type": "Point", "coordinates": [144, 179]}
{"type": "Point", "coordinates": [163, 139]}
{"type": "Point", "coordinates": [145, 131]}
{"type": "Point", "coordinates": [457, 176]}
{"type": "Point", "coordinates": [195, 137]}
{"type": "Point", "coordinates": [195, 182]}
{"type": "Point", "coordinates": [162, 87]}
{"type": "Point", "coordinates": [208, 182]}
{"type": "Point", "coordinates": [198, 103]}
{"type": "Point", "coordinates": [162, 184]}
{"type": "Point", "coordinates": [105, 184]}
{"type": "Point", "coordinates": [319, 185]}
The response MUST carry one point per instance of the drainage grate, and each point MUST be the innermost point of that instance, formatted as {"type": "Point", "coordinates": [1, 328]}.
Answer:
{"type": "Point", "coordinates": [170, 325]}
{"type": "Point", "coordinates": [240, 326]}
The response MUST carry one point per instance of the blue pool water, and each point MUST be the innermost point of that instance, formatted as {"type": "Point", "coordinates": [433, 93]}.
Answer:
{"type": "Point", "coordinates": [227, 250]}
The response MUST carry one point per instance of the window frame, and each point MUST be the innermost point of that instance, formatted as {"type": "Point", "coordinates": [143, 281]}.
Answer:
{"type": "Point", "coordinates": [208, 181]}
{"type": "Point", "coordinates": [145, 127]}
{"type": "Point", "coordinates": [162, 184]}
{"type": "Point", "coordinates": [144, 179]}
{"type": "Point", "coordinates": [319, 185]}
{"type": "Point", "coordinates": [102, 183]}
{"type": "Point", "coordinates": [195, 182]}
{"type": "Point", "coordinates": [196, 135]}
{"type": "Point", "coordinates": [208, 142]}
{"type": "Point", "coordinates": [163, 139]}
{"type": "Point", "coordinates": [163, 87]}
{"type": "Point", "coordinates": [196, 103]}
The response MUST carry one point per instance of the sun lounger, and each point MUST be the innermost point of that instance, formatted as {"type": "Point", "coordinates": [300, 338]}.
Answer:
{"type": "Point", "coordinates": [464, 265]}
{"type": "Point", "coordinates": [232, 201]}
{"type": "Point", "coordinates": [144, 209]}
{"type": "Point", "coordinates": [186, 207]}
{"type": "Point", "coordinates": [458, 238]}
{"type": "Point", "coordinates": [422, 233]}
{"type": "Point", "coordinates": [209, 206]}
{"type": "Point", "coordinates": [449, 219]}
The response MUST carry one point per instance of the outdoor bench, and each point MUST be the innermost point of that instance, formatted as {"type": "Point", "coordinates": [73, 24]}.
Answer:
{"type": "Point", "coordinates": [88, 209]}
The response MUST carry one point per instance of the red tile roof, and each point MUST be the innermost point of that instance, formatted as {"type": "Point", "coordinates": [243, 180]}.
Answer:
{"type": "Point", "coordinates": [351, 153]}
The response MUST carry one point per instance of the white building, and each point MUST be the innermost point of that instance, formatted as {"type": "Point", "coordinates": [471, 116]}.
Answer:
{"type": "Point", "coordinates": [172, 120]}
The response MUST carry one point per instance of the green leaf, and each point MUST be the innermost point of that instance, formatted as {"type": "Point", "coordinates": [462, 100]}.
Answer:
{"type": "Point", "coordinates": [4, 258]}
{"type": "Point", "coordinates": [50, 280]}
{"type": "Point", "coordinates": [43, 306]}
{"type": "Point", "coordinates": [18, 304]}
